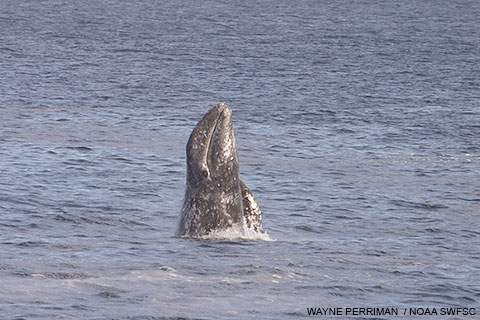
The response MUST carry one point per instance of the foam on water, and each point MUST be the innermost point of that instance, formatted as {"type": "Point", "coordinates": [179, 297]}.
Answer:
{"type": "Point", "coordinates": [237, 232]}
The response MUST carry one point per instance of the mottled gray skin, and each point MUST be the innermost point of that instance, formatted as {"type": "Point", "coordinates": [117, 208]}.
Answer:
{"type": "Point", "coordinates": [215, 198]}
{"type": "Point", "coordinates": [251, 210]}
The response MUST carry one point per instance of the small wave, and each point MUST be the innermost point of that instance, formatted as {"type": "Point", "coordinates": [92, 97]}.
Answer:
{"type": "Point", "coordinates": [471, 199]}
{"type": "Point", "coordinates": [81, 149]}
{"type": "Point", "coordinates": [419, 205]}
{"type": "Point", "coordinates": [6, 49]}
{"type": "Point", "coordinates": [30, 244]}
{"type": "Point", "coordinates": [54, 275]}
{"type": "Point", "coordinates": [237, 232]}
{"type": "Point", "coordinates": [129, 50]}
{"type": "Point", "coordinates": [6, 267]}
{"type": "Point", "coordinates": [307, 228]}
{"type": "Point", "coordinates": [108, 294]}
{"type": "Point", "coordinates": [93, 220]}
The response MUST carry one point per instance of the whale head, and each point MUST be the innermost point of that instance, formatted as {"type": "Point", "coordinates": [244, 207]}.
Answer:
{"type": "Point", "coordinates": [211, 151]}
{"type": "Point", "coordinates": [213, 197]}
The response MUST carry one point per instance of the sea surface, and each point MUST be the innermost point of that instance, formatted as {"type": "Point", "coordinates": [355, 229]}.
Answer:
{"type": "Point", "coordinates": [358, 131]}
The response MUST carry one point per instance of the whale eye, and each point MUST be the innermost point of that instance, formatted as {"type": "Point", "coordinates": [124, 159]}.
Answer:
{"type": "Point", "coordinates": [205, 173]}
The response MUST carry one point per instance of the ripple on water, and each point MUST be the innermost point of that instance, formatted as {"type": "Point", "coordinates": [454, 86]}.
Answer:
{"type": "Point", "coordinates": [53, 275]}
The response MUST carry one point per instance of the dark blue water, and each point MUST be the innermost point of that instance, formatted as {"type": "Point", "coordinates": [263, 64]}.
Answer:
{"type": "Point", "coordinates": [358, 128]}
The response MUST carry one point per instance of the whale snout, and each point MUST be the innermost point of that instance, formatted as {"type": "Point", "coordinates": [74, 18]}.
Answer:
{"type": "Point", "coordinates": [222, 111]}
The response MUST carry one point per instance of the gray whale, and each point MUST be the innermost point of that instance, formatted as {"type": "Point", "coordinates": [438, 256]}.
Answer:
{"type": "Point", "coordinates": [215, 197]}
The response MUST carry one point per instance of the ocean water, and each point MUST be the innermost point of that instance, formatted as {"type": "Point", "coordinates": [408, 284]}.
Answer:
{"type": "Point", "coordinates": [358, 131]}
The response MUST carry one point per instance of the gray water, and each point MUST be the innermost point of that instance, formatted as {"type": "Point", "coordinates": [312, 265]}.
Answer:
{"type": "Point", "coordinates": [357, 126]}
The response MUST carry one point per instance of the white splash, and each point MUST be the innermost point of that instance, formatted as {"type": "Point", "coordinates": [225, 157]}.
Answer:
{"type": "Point", "coordinates": [237, 232]}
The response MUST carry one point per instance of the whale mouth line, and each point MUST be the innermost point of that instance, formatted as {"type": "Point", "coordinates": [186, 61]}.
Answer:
{"type": "Point", "coordinates": [217, 121]}
{"type": "Point", "coordinates": [209, 143]}
{"type": "Point", "coordinates": [211, 134]}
